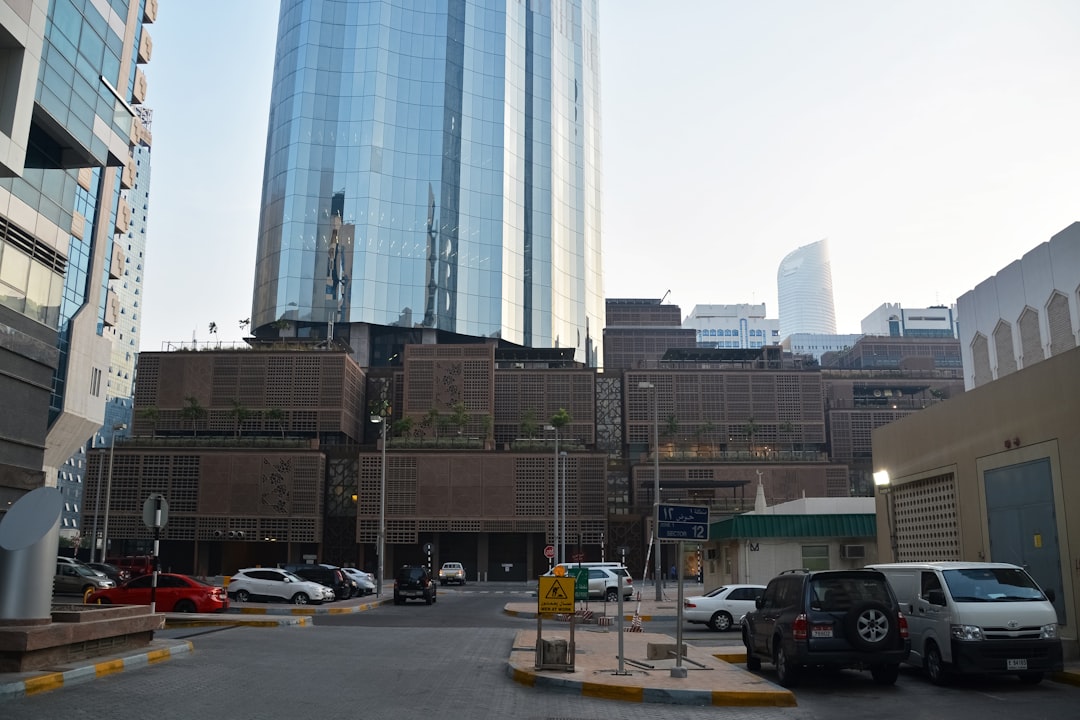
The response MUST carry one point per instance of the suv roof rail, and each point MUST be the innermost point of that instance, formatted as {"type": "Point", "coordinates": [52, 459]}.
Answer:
{"type": "Point", "coordinates": [795, 570]}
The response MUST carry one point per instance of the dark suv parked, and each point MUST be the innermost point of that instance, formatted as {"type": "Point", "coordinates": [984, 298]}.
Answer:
{"type": "Point", "coordinates": [830, 618]}
{"type": "Point", "coordinates": [413, 581]}
{"type": "Point", "coordinates": [328, 575]}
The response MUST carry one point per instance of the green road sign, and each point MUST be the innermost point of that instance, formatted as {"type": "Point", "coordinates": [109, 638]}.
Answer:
{"type": "Point", "coordinates": [581, 581]}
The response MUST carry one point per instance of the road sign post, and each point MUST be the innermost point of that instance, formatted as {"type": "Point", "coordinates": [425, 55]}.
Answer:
{"type": "Point", "coordinates": [155, 514]}
{"type": "Point", "coordinates": [684, 522]}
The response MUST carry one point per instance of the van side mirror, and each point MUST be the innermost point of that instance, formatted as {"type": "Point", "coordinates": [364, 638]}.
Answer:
{"type": "Point", "coordinates": [936, 597]}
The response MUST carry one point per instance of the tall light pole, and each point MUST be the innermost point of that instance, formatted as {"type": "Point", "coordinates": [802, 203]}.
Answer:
{"type": "Point", "coordinates": [97, 502]}
{"type": "Point", "coordinates": [565, 503]}
{"type": "Point", "coordinates": [108, 490]}
{"type": "Point", "coordinates": [382, 506]}
{"type": "Point", "coordinates": [558, 546]}
{"type": "Point", "coordinates": [657, 569]}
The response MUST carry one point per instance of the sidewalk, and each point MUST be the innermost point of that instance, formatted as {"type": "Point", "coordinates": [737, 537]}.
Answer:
{"type": "Point", "coordinates": [646, 674]}
{"type": "Point", "coordinates": [710, 679]}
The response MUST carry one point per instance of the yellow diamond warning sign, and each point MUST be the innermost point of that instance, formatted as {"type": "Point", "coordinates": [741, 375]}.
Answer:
{"type": "Point", "coordinates": [556, 595]}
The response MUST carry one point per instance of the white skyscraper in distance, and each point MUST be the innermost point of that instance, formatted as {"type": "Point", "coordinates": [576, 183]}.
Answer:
{"type": "Point", "coordinates": [804, 289]}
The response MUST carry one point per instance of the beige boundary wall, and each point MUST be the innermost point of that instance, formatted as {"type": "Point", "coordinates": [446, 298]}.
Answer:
{"type": "Point", "coordinates": [937, 460]}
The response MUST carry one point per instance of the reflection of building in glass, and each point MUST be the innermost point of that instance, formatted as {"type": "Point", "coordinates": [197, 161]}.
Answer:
{"type": "Point", "coordinates": [67, 177]}
{"type": "Point", "coordinates": [443, 167]}
{"type": "Point", "coordinates": [804, 286]}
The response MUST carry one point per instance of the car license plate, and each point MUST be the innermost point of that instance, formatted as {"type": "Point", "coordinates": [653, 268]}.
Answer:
{"type": "Point", "coordinates": [1016, 664]}
{"type": "Point", "coordinates": [821, 631]}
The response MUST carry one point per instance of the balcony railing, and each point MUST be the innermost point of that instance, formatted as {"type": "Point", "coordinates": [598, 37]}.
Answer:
{"type": "Point", "coordinates": [741, 456]}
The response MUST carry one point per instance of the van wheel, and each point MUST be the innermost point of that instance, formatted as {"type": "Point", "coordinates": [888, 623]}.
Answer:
{"type": "Point", "coordinates": [786, 671]}
{"type": "Point", "coordinates": [1031, 678]}
{"type": "Point", "coordinates": [933, 665]}
{"type": "Point", "coordinates": [720, 621]}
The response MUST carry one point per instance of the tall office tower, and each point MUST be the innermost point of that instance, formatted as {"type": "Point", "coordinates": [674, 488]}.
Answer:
{"type": "Point", "coordinates": [119, 383]}
{"type": "Point", "coordinates": [66, 165]}
{"type": "Point", "coordinates": [433, 173]}
{"type": "Point", "coordinates": [804, 287]}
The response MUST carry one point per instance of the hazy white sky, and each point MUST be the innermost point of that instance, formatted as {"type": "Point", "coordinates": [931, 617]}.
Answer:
{"type": "Point", "coordinates": [931, 141]}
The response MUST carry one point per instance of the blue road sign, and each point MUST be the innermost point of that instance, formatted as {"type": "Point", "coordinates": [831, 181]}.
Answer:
{"type": "Point", "coordinates": [683, 522]}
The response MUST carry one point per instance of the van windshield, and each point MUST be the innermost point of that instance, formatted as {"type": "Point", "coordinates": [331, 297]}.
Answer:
{"type": "Point", "coordinates": [992, 585]}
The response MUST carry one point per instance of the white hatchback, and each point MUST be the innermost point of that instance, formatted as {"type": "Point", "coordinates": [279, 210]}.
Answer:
{"type": "Point", "coordinates": [722, 608]}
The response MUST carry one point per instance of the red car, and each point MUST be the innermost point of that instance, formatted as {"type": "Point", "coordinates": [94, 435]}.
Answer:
{"type": "Point", "coordinates": [175, 593]}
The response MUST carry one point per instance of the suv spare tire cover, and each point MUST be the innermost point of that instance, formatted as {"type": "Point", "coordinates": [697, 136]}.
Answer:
{"type": "Point", "coordinates": [871, 626]}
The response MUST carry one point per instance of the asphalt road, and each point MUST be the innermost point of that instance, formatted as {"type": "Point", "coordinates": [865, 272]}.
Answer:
{"type": "Point", "coordinates": [448, 660]}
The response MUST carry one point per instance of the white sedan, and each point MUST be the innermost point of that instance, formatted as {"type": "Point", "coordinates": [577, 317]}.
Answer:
{"type": "Point", "coordinates": [722, 608]}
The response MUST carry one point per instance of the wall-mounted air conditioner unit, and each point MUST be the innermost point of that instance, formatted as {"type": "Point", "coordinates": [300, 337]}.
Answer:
{"type": "Point", "coordinates": [853, 552]}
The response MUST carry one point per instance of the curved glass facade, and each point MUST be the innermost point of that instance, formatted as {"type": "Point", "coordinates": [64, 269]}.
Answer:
{"type": "Point", "coordinates": [434, 164]}
{"type": "Point", "coordinates": [804, 287]}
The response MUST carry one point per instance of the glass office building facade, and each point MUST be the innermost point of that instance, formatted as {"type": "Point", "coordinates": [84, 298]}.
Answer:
{"type": "Point", "coordinates": [804, 289]}
{"type": "Point", "coordinates": [433, 172]}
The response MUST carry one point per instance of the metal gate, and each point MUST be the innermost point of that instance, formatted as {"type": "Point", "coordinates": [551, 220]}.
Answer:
{"type": "Point", "coordinates": [1023, 525]}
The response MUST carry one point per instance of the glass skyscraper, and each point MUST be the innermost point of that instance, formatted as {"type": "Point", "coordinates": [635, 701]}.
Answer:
{"type": "Point", "coordinates": [433, 172]}
{"type": "Point", "coordinates": [804, 287]}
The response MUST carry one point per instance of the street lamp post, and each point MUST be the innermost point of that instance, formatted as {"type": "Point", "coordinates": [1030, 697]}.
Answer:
{"type": "Point", "coordinates": [657, 569]}
{"type": "Point", "coordinates": [564, 504]}
{"type": "Point", "coordinates": [97, 502]}
{"type": "Point", "coordinates": [108, 490]}
{"type": "Point", "coordinates": [382, 507]}
{"type": "Point", "coordinates": [555, 494]}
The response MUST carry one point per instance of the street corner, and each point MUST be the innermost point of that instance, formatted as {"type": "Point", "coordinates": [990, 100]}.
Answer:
{"type": "Point", "coordinates": [15, 685]}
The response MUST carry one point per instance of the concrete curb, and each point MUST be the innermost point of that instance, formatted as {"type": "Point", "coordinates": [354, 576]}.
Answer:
{"type": "Point", "coordinates": [33, 683]}
{"type": "Point", "coordinates": [629, 693]}
{"type": "Point", "coordinates": [305, 610]}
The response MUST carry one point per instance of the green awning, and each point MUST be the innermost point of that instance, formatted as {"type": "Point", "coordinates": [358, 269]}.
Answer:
{"type": "Point", "coordinates": [793, 526]}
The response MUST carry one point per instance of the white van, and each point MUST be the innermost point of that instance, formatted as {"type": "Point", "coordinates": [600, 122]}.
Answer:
{"type": "Point", "coordinates": [975, 617]}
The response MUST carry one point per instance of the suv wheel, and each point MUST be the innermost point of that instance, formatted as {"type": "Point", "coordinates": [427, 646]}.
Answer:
{"type": "Point", "coordinates": [753, 662]}
{"type": "Point", "coordinates": [869, 627]}
{"type": "Point", "coordinates": [786, 671]}
{"type": "Point", "coordinates": [243, 596]}
{"type": "Point", "coordinates": [612, 595]}
{"type": "Point", "coordinates": [720, 621]}
{"type": "Point", "coordinates": [300, 599]}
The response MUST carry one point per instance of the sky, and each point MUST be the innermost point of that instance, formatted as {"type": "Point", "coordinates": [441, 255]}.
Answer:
{"type": "Point", "coordinates": [932, 142]}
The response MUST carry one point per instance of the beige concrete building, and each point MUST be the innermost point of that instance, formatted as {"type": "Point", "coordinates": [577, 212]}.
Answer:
{"type": "Point", "coordinates": [993, 474]}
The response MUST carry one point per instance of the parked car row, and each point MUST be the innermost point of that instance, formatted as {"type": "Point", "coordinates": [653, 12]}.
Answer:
{"type": "Point", "coordinates": [300, 584]}
{"type": "Point", "coordinates": [944, 617]}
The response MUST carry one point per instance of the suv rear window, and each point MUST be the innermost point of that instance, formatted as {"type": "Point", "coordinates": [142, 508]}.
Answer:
{"type": "Point", "coordinates": [838, 592]}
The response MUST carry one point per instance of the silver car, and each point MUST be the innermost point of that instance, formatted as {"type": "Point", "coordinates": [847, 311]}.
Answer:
{"type": "Point", "coordinates": [77, 579]}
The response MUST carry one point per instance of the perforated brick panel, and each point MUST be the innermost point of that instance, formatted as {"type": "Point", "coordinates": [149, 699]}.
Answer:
{"type": "Point", "coordinates": [925, 515]}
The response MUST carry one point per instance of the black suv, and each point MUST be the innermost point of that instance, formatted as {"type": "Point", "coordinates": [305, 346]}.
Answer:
{"type": "Point", "coordinates": [413, 581]}
{"type": "Point", "coordinates": [328, 575]}
{"type": "Point", "coordinates": [829, 618]}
